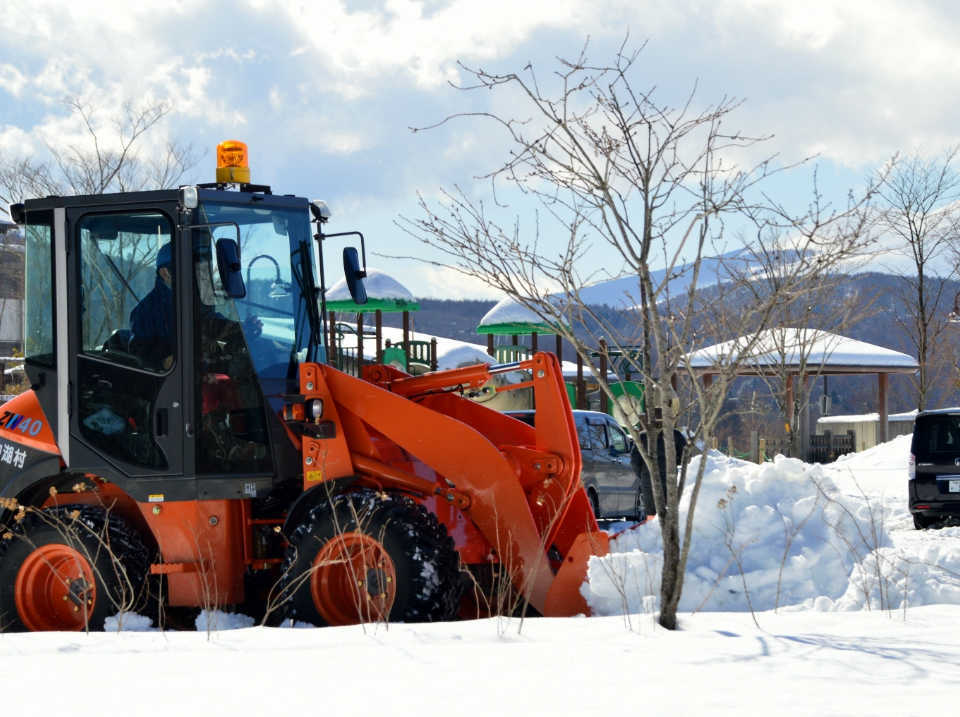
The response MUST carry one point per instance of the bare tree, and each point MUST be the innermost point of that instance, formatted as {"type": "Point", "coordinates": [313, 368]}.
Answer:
{"type": "Point", "coordinates": [918, 206]}
{"type": "Point", "coordinates": [108, 160]}
{"type": "Point", "coordinates": [606, 161]}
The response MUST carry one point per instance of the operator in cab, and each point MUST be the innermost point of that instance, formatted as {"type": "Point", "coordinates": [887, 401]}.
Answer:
{"type": "Point", "coordinates": [152, 321]}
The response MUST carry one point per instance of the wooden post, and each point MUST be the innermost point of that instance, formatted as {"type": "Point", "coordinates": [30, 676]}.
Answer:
{"type": "Point", "coordinates": [559, 351]}
{"type": "Point", "coordinates": [883, 428]}
{"type": "Point", "coordinates": [379, 322]}
{"type": "Point", "coordinates": [490, 344]}
{"type": "Point", "coordinates": [762, 449]}
{"type": "Point", "coordinates": [406, 333]}
{"type": "Point", "coordinates": [707, 380]}
{"type": "Point", "coordinates": [533, 342]}
{"type": "Point", "coordinates": [805, 420]}
{"type": "Point", "coordinates": [730, 446]}
{"type": "Point", "coordinates": [359, 341]}
{"type": "Point", "coordinates": [604, 407]}
{"type": "Point", "coordinates": [433, 354]}
{"type": "Point", "coordinates": [333, 338]}
{"type": "Point", "coordinates": [581, 388]}
{"type": "Point", "coordinates": [754, 447]}
{"type": "Point", "coordinates": [788, 410]}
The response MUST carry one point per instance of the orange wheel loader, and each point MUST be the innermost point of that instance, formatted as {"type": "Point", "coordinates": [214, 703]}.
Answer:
{"type": "Point", "coordinates": [193, 438]}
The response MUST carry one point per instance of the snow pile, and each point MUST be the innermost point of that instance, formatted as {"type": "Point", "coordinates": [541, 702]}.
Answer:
{"type": "Point", "coordinates": [213, 620]}
{"type": "Point", "coordinates": [128, 622]}
{"type": "Point", "coordinates": [766, 536]}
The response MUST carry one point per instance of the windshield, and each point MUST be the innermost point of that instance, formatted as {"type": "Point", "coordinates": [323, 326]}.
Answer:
{"type": "Point", "coordinates": [276, 263]}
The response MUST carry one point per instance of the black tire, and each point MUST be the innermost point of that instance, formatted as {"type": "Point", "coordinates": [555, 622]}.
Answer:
{"type": "Point", "coordinates": [640, 507]}
{"type": "Point", "coordinates": [922, 522]}
{"type": "Point", "coordinates": [640, 468]}
{"type": "Point", "coordinates": [594, 503]}
{"type": "Point", "coordinates": [115, 557]}
{"type": "Point", "coordinates": [421, 555]}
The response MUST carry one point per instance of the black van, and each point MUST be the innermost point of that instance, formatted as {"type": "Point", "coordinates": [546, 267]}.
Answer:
{"type": "Point", "coordinates": [933, 478]}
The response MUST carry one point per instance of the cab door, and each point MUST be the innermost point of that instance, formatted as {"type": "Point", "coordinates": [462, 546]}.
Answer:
{"type": "Point", "coordinates": [126, 377]}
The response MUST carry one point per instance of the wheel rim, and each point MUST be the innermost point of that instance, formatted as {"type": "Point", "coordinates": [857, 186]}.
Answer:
{"type": "Point", "coordinates": [353, 580]}
{"type": "Point", "coordinates": [55, 589]}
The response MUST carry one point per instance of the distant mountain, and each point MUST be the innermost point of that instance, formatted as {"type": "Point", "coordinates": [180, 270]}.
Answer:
{"type": "Point", "coordinates": [624, 292]}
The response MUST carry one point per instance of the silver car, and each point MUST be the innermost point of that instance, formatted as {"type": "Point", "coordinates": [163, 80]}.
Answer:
{"type": "Point", "coordinates": [612, 483]}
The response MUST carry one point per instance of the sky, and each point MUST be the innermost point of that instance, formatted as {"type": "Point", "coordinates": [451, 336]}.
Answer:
{"type": "Point", "coordinates": [325, 93]}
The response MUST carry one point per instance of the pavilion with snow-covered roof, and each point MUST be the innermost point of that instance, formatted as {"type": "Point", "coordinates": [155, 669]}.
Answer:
{"type": "Point", "coordinates": [384, 293]}
{"type": "Point", "coordinates": [803, 353]}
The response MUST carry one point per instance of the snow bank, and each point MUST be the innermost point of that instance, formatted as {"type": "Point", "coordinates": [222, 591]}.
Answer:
{"type": "Point", "coordinates": [766, 536]}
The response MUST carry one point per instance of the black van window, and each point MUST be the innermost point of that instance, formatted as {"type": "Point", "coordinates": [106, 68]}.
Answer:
{"type": "Point", "coordinates": [937, 434]}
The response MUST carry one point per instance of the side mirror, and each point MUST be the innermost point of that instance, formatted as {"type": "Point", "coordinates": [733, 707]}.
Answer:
{"type": "Point", "coordinates": [228, 263]}
{"type": "Point", "coordinates": [354, 275]}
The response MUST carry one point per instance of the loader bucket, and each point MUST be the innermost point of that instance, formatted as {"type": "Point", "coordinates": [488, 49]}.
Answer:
{"type": "Point", "coordinates": [519, 485]}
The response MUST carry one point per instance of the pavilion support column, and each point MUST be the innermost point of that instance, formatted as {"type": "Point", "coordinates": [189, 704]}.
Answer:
{"type": "Point", "coordinates": [581, 388]}
{"type": "Point", "coordinates": [805, 421]}
{"type": "Point", "coordinates": [359, 342]}
{"type": "Point", "coordinates": [707, 380]}
{"type": "Point", "coordinates": [406, 333]}
{"type": "Point", "coordinates": [490, 344]}
{"type": "Point", "coordinates": [883, 432]}
{"type": "Point", "coordinates": [533, 342]}
{"type": "Point", "coordinates": [788, 411]}
{"type": "Point", "coordinates": [333, 338]}
{"type": "Point", "coordinates": [379, 321]}
{"type": "Point", "coordinates": [604, 405]}
{"type": "Point", "coordinates": [559, 351]}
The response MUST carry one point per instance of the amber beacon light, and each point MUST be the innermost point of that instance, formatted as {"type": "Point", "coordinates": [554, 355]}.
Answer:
{"type": "Point", "coordinates": [232, 163]}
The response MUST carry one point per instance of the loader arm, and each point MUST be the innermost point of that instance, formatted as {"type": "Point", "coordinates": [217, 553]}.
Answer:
{"type": "Point", "coordinates": [521, 484]}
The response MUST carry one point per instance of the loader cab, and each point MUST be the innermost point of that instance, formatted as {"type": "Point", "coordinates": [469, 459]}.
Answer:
{"type": "Point", "coordinates": [163, 330]}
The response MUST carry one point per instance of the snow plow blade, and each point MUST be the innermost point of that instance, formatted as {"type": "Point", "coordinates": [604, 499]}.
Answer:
{"type": "Point", "coordinates": [518, 485]}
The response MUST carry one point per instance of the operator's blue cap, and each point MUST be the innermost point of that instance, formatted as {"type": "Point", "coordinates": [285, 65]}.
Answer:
{"type": "Point", "coordinates": [165, 256]}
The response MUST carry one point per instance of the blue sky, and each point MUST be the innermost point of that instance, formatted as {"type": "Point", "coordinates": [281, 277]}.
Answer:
{"type": "Point", "coordinates": [325, 92]}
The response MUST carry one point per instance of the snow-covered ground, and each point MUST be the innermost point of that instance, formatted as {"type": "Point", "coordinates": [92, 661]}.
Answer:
{"type": "Point", "coordinates": [854, 612]}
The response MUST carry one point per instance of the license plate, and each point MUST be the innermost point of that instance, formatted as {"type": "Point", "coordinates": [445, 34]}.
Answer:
{"type": "Point", "coordinates": [953, 486]}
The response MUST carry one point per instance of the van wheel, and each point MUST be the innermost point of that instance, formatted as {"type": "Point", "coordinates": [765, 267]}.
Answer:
{"type": "Point", "coordinates": [922, 522]}
{"type": "Point", "coordinates": [594, 503]}
{"type": "Point", "coordinates": [641, 511]}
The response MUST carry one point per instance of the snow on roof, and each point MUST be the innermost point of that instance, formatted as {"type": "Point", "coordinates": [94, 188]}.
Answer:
{"type": "Point", "coordinates": [868, 418]}
{"type": "Point", "coordinates": [379, 285]}
{"type": "Point", "coordinates": [794, 347]}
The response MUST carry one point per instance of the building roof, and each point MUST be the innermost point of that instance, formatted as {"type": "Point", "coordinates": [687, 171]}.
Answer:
{"type": "Point", "coordinates": [803, 350]}
{"type": "Point", "coordinates": [510, 317]}
{"type": "Point", "coordinates": [383, 292]}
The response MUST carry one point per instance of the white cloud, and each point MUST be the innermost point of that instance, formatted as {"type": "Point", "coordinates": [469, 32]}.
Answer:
{"type": "Point", "coordinates": [15, 141]}
{"type": "Point", "coordinates": [11, 79]}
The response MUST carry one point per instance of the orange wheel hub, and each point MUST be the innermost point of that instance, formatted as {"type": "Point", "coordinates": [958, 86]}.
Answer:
{"type": "Point", "coordinates": [353, 580]}
{"type": "Point", "coordinates": [55, 589]}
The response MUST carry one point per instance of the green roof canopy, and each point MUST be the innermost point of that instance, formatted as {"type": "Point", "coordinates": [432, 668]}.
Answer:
{"type": "Point", "coordinates": [386, 305]}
